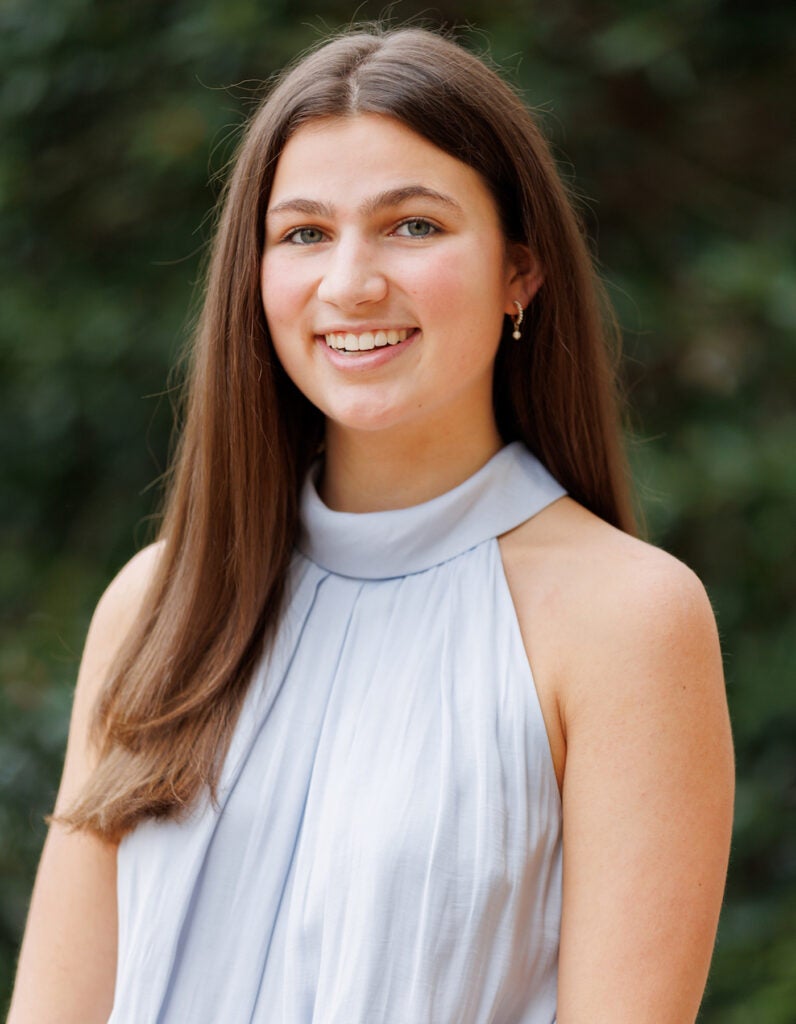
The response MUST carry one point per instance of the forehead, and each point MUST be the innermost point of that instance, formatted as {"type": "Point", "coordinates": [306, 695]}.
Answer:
{"type": "Point", "coordinates": [341, 158]}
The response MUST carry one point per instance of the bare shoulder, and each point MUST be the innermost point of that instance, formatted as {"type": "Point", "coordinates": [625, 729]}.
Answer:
{"type": "Point", "coordinates": [115, 614]}
{"type": "Point", "coordinates": [123, 597]}
{"type": "Point", "coordinates": [592, 577]}
{"type": "Point", "coordinates": [113, 618]}
{"type": "Point", "coordinates": [607, 614]}
{"type": "Point", "coordinates": [589, 558]}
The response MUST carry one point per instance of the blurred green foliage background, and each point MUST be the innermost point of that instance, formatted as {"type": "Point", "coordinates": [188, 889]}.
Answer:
{"type": "Point", "coordinates": [117, 118]}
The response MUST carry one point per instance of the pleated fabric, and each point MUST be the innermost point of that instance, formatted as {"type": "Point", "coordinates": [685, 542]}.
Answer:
{"type": "Point", "coordinates": [387, 848]}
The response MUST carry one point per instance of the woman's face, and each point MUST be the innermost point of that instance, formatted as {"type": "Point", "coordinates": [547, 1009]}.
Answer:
{"type": "Point", "coordinates": [385, 276]}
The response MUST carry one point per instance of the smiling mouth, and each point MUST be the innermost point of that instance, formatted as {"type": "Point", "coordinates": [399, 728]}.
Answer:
{"type": "Point", "coordinates": [367, 340]}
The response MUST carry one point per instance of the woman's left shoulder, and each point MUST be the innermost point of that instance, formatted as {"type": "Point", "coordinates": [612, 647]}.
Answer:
{"type": "Point", "coordinates": [610, 602]}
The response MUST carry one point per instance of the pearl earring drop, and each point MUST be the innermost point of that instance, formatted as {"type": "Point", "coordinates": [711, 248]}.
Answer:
{"type": "Point", "coordinates": [517, 320]}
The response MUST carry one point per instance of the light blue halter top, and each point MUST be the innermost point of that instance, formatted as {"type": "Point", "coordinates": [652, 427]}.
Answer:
{"type": "Point", "coordinates": [388, 844]}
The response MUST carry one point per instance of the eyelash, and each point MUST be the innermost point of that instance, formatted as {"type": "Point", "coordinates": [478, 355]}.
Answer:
{"type": "Point", "coordinates": [294, 232]}
{"type": "Point", "coordinates": [419, 220]}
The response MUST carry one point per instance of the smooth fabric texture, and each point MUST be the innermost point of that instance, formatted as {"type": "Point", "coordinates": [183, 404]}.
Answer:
{"type": "Point", "coordinates": [388, 844]}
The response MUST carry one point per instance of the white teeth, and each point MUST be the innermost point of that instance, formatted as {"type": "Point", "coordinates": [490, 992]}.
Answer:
{"type": "Point", "coordinates": [366, 341]}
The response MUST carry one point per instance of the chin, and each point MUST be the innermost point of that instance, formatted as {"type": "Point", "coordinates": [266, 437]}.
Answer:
{"type": "Point", "coordinates": [366, 417]}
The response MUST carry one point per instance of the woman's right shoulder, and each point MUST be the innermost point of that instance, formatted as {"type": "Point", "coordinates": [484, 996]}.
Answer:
{"type": "Point", "coordinates": [113, 618]}
{"type": "Point", "coordinates": [116, 613]}
{"type": "Point", "coordinates": [122, 600]}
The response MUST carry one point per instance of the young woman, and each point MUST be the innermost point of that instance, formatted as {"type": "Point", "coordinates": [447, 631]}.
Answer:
{"type": "Point", "coordinates": [398, 722]}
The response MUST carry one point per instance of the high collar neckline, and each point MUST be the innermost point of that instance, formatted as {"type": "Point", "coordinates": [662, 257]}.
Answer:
{"type": "Point", "coordinates": [508, 489]}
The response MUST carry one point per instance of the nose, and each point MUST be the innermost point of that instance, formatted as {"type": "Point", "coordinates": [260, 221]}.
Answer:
{"type": "Point", "coordinates": [352, 276]}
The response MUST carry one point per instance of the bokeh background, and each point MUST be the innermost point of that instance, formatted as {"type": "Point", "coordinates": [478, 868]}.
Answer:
{"type": "Point", "coordinates": [673, 122]}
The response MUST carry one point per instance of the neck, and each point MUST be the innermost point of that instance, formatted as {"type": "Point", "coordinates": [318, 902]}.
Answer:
{"type": "Point", "coordinates": [372, 471]}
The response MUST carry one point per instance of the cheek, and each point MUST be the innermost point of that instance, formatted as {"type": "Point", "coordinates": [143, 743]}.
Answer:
{"type": "Point", "coordinates": [282, 294]}
{"type": "Point", "coordinates": [440, 287]}
{"type": "Point", "coordinates": [463, 297]}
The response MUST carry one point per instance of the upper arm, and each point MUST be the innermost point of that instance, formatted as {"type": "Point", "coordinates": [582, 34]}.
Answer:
{"type": "Point", "coordinates": [647, 799]}
{"type": "Point", "coordinates": [68, 960]}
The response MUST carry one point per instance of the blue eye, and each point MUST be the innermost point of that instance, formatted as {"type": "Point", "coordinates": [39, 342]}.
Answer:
{"type": "Point", "coordinates": [416, 227]}
{"type": "Point", "coordinates": [304, 236]}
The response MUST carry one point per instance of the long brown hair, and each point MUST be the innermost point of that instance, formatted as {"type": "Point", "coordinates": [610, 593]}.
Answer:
{"type": "Point", "coordinates": [167, 712]}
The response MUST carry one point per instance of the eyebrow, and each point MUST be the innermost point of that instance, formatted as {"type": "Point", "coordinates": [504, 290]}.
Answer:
{"type": "Point", "coordinates": [390, 197]}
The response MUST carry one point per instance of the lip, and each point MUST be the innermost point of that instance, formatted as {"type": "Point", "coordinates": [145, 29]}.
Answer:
{"type": "Point", "coordinates": [361, 328]}
{"type": "Point", "coordinates": [367, 360]}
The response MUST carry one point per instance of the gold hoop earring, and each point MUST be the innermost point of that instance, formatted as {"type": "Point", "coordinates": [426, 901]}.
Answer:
{"type": "Point", "coordinates": [517, 320]}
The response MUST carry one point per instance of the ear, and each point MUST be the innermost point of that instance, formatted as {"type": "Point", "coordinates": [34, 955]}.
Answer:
{"type": "Point", "coordinates": [524, 277]}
